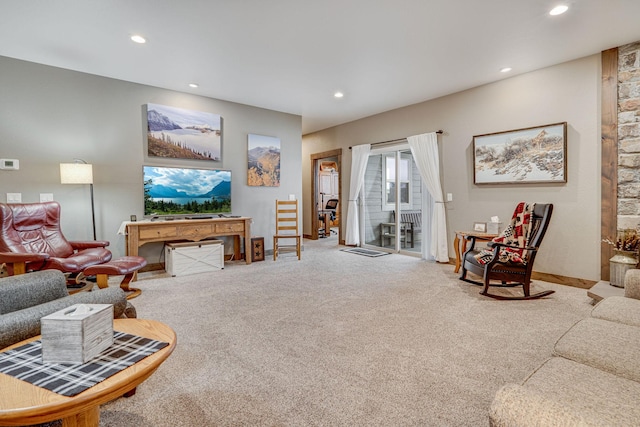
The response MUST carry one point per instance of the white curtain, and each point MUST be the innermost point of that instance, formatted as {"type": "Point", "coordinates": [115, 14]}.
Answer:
{"type": "Point", "coordinates": [425, 153]}
{"type": "Point", "coordinates": [359, 157]}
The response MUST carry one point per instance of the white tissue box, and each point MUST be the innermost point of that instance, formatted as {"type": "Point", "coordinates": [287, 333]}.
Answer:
{"type": "Point", "coordinates": [70, 336]}
{"type": "Point", "coordinates": [494, 227]}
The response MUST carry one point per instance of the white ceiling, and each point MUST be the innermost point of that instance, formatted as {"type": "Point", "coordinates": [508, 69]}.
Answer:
{"type": "Point", "coordinates": [292, 55]}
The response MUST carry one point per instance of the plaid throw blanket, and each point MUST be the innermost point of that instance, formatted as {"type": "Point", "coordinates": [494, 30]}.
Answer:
{"type": "Point", "coordinates": [517, 233]}
{"type": "Point", "coordinates": [25, 363]}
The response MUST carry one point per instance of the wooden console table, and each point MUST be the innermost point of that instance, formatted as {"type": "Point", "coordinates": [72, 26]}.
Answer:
{"type": "Point", "coordinates": [139, 233]}
{"type": "Point", "coordinates": [460, 243]}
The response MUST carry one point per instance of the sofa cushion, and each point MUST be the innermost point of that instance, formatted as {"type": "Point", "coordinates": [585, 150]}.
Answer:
{"type": "Point", "coordinates": [515, 405]}
{"type": "Point", "coordinates": [565, 393]}
{"type": "Point", "coordinates": [632, 283]}
{"type": "Point", "coordinates": [610, 346]}
{"type": "Point", "coordinates": [618, 309]}
{"type": "Point", "coordinates": [27, 290]}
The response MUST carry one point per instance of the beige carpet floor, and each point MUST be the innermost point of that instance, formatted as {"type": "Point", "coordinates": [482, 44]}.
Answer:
{"type": "Point", "coordinates": [338, 339]}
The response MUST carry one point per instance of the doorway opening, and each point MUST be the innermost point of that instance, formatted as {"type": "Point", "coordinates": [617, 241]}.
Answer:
{"type": "Point", "coordinates": [326, 200]}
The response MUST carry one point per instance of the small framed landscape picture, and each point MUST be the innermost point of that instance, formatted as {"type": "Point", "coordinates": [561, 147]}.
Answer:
{"type": "Point", "coordinates": [263, 166]}
{"type": "Point", "coordinates": [480, 227]}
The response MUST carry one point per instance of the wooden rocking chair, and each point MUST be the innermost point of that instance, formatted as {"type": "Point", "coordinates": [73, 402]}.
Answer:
{"type": "Point", "coordinates": [509, 274]}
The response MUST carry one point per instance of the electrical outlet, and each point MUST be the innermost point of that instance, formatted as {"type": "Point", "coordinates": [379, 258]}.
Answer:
{"type": "Point", "coordinates": [46, 197]}
{"type": "Point", "coordinates": [14, 197]}
{"type": "Point", "coordinates": [449, 197]}
{"type": "Point", "coordinates": [10, 164]}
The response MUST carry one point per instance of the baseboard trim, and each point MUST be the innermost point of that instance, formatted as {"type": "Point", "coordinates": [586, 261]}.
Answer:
{"type": "Point", "coordinates": [564, 280]}
{"type": "Point", "coordinates": [553, 278]}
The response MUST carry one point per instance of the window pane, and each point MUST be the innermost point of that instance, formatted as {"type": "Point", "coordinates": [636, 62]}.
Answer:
{"type": "Point", "coordinates": [404, 192]}
{"type": "Point", "coordinates": [391, 168]}
{"type": "Point", "coordinates": [391, 192]}
{"type": "Point", "coordinates": [404, 169]}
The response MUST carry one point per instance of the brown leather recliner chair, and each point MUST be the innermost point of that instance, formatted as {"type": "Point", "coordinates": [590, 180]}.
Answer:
{"type": "Point", "coordinates": [31, 239]}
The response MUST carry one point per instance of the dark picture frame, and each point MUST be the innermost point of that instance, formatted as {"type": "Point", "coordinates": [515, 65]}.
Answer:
{"type": "Point", "coordinates": [522, 156]}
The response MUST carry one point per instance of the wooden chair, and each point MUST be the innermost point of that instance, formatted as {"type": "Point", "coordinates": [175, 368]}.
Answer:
{"type": "Point", "coordinates": [286, 227]}
{"type": "Point", "coordinates": [509, 274]}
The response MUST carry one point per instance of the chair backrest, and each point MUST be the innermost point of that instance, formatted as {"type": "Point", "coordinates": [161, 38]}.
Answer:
{"type": "Point", "coordinates": [33, 228]}
{"type": "Point", "coordinates": [332, 204]}
{"type": "Point", "coordinates": [287, 217]}
{"type": "Point", "coordinates": [414, 217]}
{"type": "Point", "coordinates": [539, 222]}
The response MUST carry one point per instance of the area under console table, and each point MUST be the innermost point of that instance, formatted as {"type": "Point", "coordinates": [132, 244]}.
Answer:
{"type": "Point", "coordinates": [139, 233]}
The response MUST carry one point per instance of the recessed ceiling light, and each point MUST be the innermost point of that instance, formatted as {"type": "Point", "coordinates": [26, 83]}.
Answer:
{"type": "Point", "coordinates": [138, 39]}
{"type": "Point", "coordinates": [338, 94]}
{"type": "Point", "coordinates": [505, 69]}
{"type": "Point", "coordinates": [193, 85]}
{"type": "Point", "coordinates": [559, 10]}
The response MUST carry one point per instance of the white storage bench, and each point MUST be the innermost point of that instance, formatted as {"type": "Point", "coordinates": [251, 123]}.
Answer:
{"type": "Point", "coordinates": [186, 258]}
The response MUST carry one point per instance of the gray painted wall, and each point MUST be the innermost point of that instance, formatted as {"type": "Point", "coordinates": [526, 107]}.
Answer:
{"type": "Point", "coordinates": [50, 116]}
{"type": "Point", "coordinates": [566, 92]}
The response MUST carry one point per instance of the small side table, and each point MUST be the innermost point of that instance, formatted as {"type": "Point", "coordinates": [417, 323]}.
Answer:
{"type": "Point", "coordinates": [460, 243]}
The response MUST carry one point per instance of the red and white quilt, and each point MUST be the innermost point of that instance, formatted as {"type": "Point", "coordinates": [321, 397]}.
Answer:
{"type": "Point", "coordinates": [517, 234]}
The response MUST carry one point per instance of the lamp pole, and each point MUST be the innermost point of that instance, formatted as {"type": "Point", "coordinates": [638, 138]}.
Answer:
{"type": "Point", "coordinates": [93, 213]}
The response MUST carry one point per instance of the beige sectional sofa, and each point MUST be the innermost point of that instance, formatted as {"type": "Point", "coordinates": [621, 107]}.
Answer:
{"type": "Point", "coordinates": [593, 376]}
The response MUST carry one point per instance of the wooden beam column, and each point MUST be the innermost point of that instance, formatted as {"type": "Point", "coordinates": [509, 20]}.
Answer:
{"type": "Point", "coordinates": [609, 173]}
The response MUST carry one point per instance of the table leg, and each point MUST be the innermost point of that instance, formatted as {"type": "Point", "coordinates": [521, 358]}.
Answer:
{"type": "Point", "coordinates": [19, 268]}
{"type": "Point", "coordinates": [247, 241]}
{"type": "Point", "coordinates": [456, 247]}
{"type": "Point", "coordinates": [237, 254]}
{"type": "Point", "coordinates": [132, 244]}
{"type": "Point", "coordinates": [327, 227]}
{"type": "Point", "coordinates": [88, 418]}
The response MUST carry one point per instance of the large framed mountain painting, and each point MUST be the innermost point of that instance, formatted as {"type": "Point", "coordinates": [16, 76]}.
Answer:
{"type": "Point", "coordinates": [263, 167]}
{"type": "Point", "coordinates": [183, 134]}
{"type": "Point", "coordinates": [522, 156]}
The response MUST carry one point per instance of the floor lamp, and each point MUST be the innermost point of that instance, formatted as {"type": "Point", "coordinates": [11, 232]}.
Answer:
{"type": "Point", "coordinates": [79, 172]}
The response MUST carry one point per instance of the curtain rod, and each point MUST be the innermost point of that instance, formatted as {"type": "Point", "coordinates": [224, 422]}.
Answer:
{"type": "Point", "coordinates": [398, 140]}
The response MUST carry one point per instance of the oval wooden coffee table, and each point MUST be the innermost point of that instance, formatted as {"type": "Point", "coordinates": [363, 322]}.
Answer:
{"type": "Point", "coordinates": [23, 403]}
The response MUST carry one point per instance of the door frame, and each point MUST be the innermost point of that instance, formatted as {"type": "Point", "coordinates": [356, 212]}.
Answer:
{"type": "Point", "coordinates": [397, 149]}
{"type": "Point", "coordinates": [315, 159]}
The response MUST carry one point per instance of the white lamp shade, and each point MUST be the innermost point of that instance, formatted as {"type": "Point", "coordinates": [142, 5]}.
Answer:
{"type": "Point", "coordinates": [76, 173]}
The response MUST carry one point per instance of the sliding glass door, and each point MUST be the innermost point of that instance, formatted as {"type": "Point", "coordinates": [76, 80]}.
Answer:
{"type": "Point", "coordinates": [392, 201]}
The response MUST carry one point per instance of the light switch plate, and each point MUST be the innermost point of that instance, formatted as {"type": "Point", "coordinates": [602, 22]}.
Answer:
{"type": "Point", "coordinates": [46, 197]}
{"type": "Point", "coordinates": [14, 197]}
